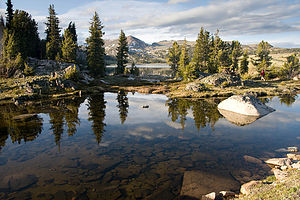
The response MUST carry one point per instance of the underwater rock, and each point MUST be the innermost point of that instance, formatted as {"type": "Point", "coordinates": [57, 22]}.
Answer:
{"type": "Point", "coordinates": [197, 183]}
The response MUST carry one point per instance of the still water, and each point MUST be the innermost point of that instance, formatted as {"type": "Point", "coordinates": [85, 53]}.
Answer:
{"type": "Point", "coordinates": [106, 146]}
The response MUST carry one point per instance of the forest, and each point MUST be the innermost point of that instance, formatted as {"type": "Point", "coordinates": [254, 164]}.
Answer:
{"type": "Point", "coordinates": [20, 40]}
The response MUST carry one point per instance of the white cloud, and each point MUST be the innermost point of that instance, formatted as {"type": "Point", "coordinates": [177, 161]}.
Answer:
{"type": "Point", "coordinates": [154, 21]}
{"type": "Point", "coordinates": [177, 1]}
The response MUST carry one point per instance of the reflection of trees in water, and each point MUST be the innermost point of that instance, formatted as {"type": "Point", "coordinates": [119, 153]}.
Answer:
{"type": "Point", "coordinates": [96, 107]}
{"type": "Point", "coordinates": [63, 111]}
{"type": "Point", "coordinates": [57, 124]}
{"type": "Point", "coordinates": [122, 105]}
{"type": "Point", "coordinates": [204, 113]}
{"type": "Point", "coordinates": [18, 130]}
{"type": "Point", "coordinates": [287, 99]}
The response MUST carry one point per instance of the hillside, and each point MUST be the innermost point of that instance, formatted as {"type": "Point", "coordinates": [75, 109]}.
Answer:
{"type": "Point", "coordinates": [142, 53]}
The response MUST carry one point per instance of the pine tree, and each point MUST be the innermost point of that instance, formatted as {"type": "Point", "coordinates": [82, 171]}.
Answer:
{"type": "Point", "coordinates": [202, 50]}
{"type": "Point", "coordinates": [72, 29]}
{"type": "Point", "coordinates": [9, 13]}
{"type": "Point", "coordinates": [53, 35]}
{"type": "Point", "coordinates": [122, 54]}
{"type": "Point", "coordinates": [236, 52]}
{"type": "Point", "coordinates": [185, 70]}
{"type": "Point", "coordinates": [244, 63]}
{"type": "Point", "coordinates": [291, 67]}
{"type": "Point", "coordinates": [173, 57]}
{"type": "Point", "coordinates": [11, 59]}
{"type": "Point", "coordinates": [216, 45]}
{"type": "Point", "coordinates": [26, 35]}
{"type": "Point", "coordinates": [263, 54]}
{"type": "Point", "coordinates": [69, 47]}
{"type": "Point", "coordinates": [95, 48]}
{"type": "Point", "coordinates": [224, 58]}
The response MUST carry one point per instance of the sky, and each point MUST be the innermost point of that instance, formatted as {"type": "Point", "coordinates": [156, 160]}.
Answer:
{"type": "Point", "coordinates": [249, 21]}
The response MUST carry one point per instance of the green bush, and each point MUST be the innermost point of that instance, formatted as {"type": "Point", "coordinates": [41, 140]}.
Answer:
{"type": "Point", "coordinates": [28, 71]}
{"type": "Point", "coordinates": [72, 74]}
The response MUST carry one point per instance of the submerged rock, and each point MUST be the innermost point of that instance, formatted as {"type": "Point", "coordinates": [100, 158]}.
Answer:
{"type": "Point", "coordinates": [17, 182]}
{"type": "Point", "coordinates": [245, 105]}
{"type": "Point", "coordinates": [197, 183]}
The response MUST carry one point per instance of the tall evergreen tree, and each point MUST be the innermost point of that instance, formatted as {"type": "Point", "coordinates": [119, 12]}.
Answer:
{"type": "Point", "coordinates": [173, 57]}
{"type": "Point", "coordinates": [69, 47]}
{"type": "Point", "coordinates": [185, 70]}
{"type": "Point", "coordinates": [216, 45]}
{"type": "Point", "coordinates": [53, 45]}
{"type": "Point", "coordinates": [122, 53]}
{"type": "Point", "coordinates": [9, 13]}
{"type": "Point", "coordinates": [236, 52]}
{"type": "Point", "coordinates": [224, 57]}
{"type": "Point", "coordinates": [291, 67]}
{"type": "Point", "coordinates": [95, 48]}
{"type": "Point", "coordinates": [244, 63]}
{"type": "Point", "coordinates": [72, 29]}
{"type": "Point", "coordinates": [263, 54]}
{"type": "Point", "coordinates": [2, 27]}
{"type": "Point", "coordinates": [26, 34]}
{"type": "Point", "coordinates": [202, 50]}
{"type": "Point", "coordinates": [11, 59]}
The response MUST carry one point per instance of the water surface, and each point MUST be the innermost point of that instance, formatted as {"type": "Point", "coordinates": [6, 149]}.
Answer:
{"type": "Point", "coordinates": [106, 146]}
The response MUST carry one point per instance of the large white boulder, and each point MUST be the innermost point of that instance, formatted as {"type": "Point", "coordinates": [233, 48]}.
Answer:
{"type": "Point", "coordinates": [245, 105]}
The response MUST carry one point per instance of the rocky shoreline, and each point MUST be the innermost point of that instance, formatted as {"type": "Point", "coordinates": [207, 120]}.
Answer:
{"type": "Point", "coordinates": [283, 184]}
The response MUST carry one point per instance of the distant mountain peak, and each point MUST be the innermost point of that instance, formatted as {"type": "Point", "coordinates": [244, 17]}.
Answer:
{"type": "Point", "coordinates": [135, 43]}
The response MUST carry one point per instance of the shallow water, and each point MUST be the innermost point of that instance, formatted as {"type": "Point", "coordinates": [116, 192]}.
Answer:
{"type": "Point", "coordinates": [107, 146]}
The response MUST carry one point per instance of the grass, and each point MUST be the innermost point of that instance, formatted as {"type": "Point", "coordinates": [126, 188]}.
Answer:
{"type": "Point", "coordinates": [272, 189]}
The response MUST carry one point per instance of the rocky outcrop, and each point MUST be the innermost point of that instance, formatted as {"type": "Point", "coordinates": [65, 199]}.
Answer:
{"type": "Point", "coordinates": [245, 105]}
{"type": "Point", "coordinates": [195, 87]}
{"type": "Point", "coordinates": [297, 77]}
{"type": "Point", "coordinates": [247, 187]}
{"type": "Point", "coordinates": [221, 78]}
{"type": "Point", "coordinates": [279, 162]}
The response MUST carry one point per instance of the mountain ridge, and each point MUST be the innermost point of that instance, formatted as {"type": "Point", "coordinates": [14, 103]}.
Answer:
{"type": "Point", "coordinates": [142, 52]}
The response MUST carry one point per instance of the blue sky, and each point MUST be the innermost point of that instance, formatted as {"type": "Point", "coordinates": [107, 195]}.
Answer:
{"type": "Point", "coordinates": [249, 21]}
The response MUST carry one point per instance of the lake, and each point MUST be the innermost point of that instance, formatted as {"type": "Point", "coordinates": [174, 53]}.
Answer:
{"type": "Point", "coordinates": [146, 66]}
{"type": "Point", "coordinates": [107, 146]}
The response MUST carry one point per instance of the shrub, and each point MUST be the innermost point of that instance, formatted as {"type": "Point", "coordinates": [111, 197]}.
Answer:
{"type": "Point", "coordinates": [72, 74]}
{"type": "Point", "coordinates": [28, 71]}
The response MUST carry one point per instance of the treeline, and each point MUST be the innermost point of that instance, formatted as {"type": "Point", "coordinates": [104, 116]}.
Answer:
{"type": "Point", "coordinates": [21, 40]}
{"type": "Point", "coordinates": [213, 55]}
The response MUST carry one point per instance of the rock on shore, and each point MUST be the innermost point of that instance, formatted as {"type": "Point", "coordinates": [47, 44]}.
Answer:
{"type": "Point", "coordinates": [245, 105]}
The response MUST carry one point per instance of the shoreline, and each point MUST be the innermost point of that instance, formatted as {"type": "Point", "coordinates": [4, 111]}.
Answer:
{"type": "Point", "coordinates": [31, 88]}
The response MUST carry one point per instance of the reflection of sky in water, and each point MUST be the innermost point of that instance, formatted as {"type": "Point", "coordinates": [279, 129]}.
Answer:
{"type": "Point", "coordinates": [150, 133]}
